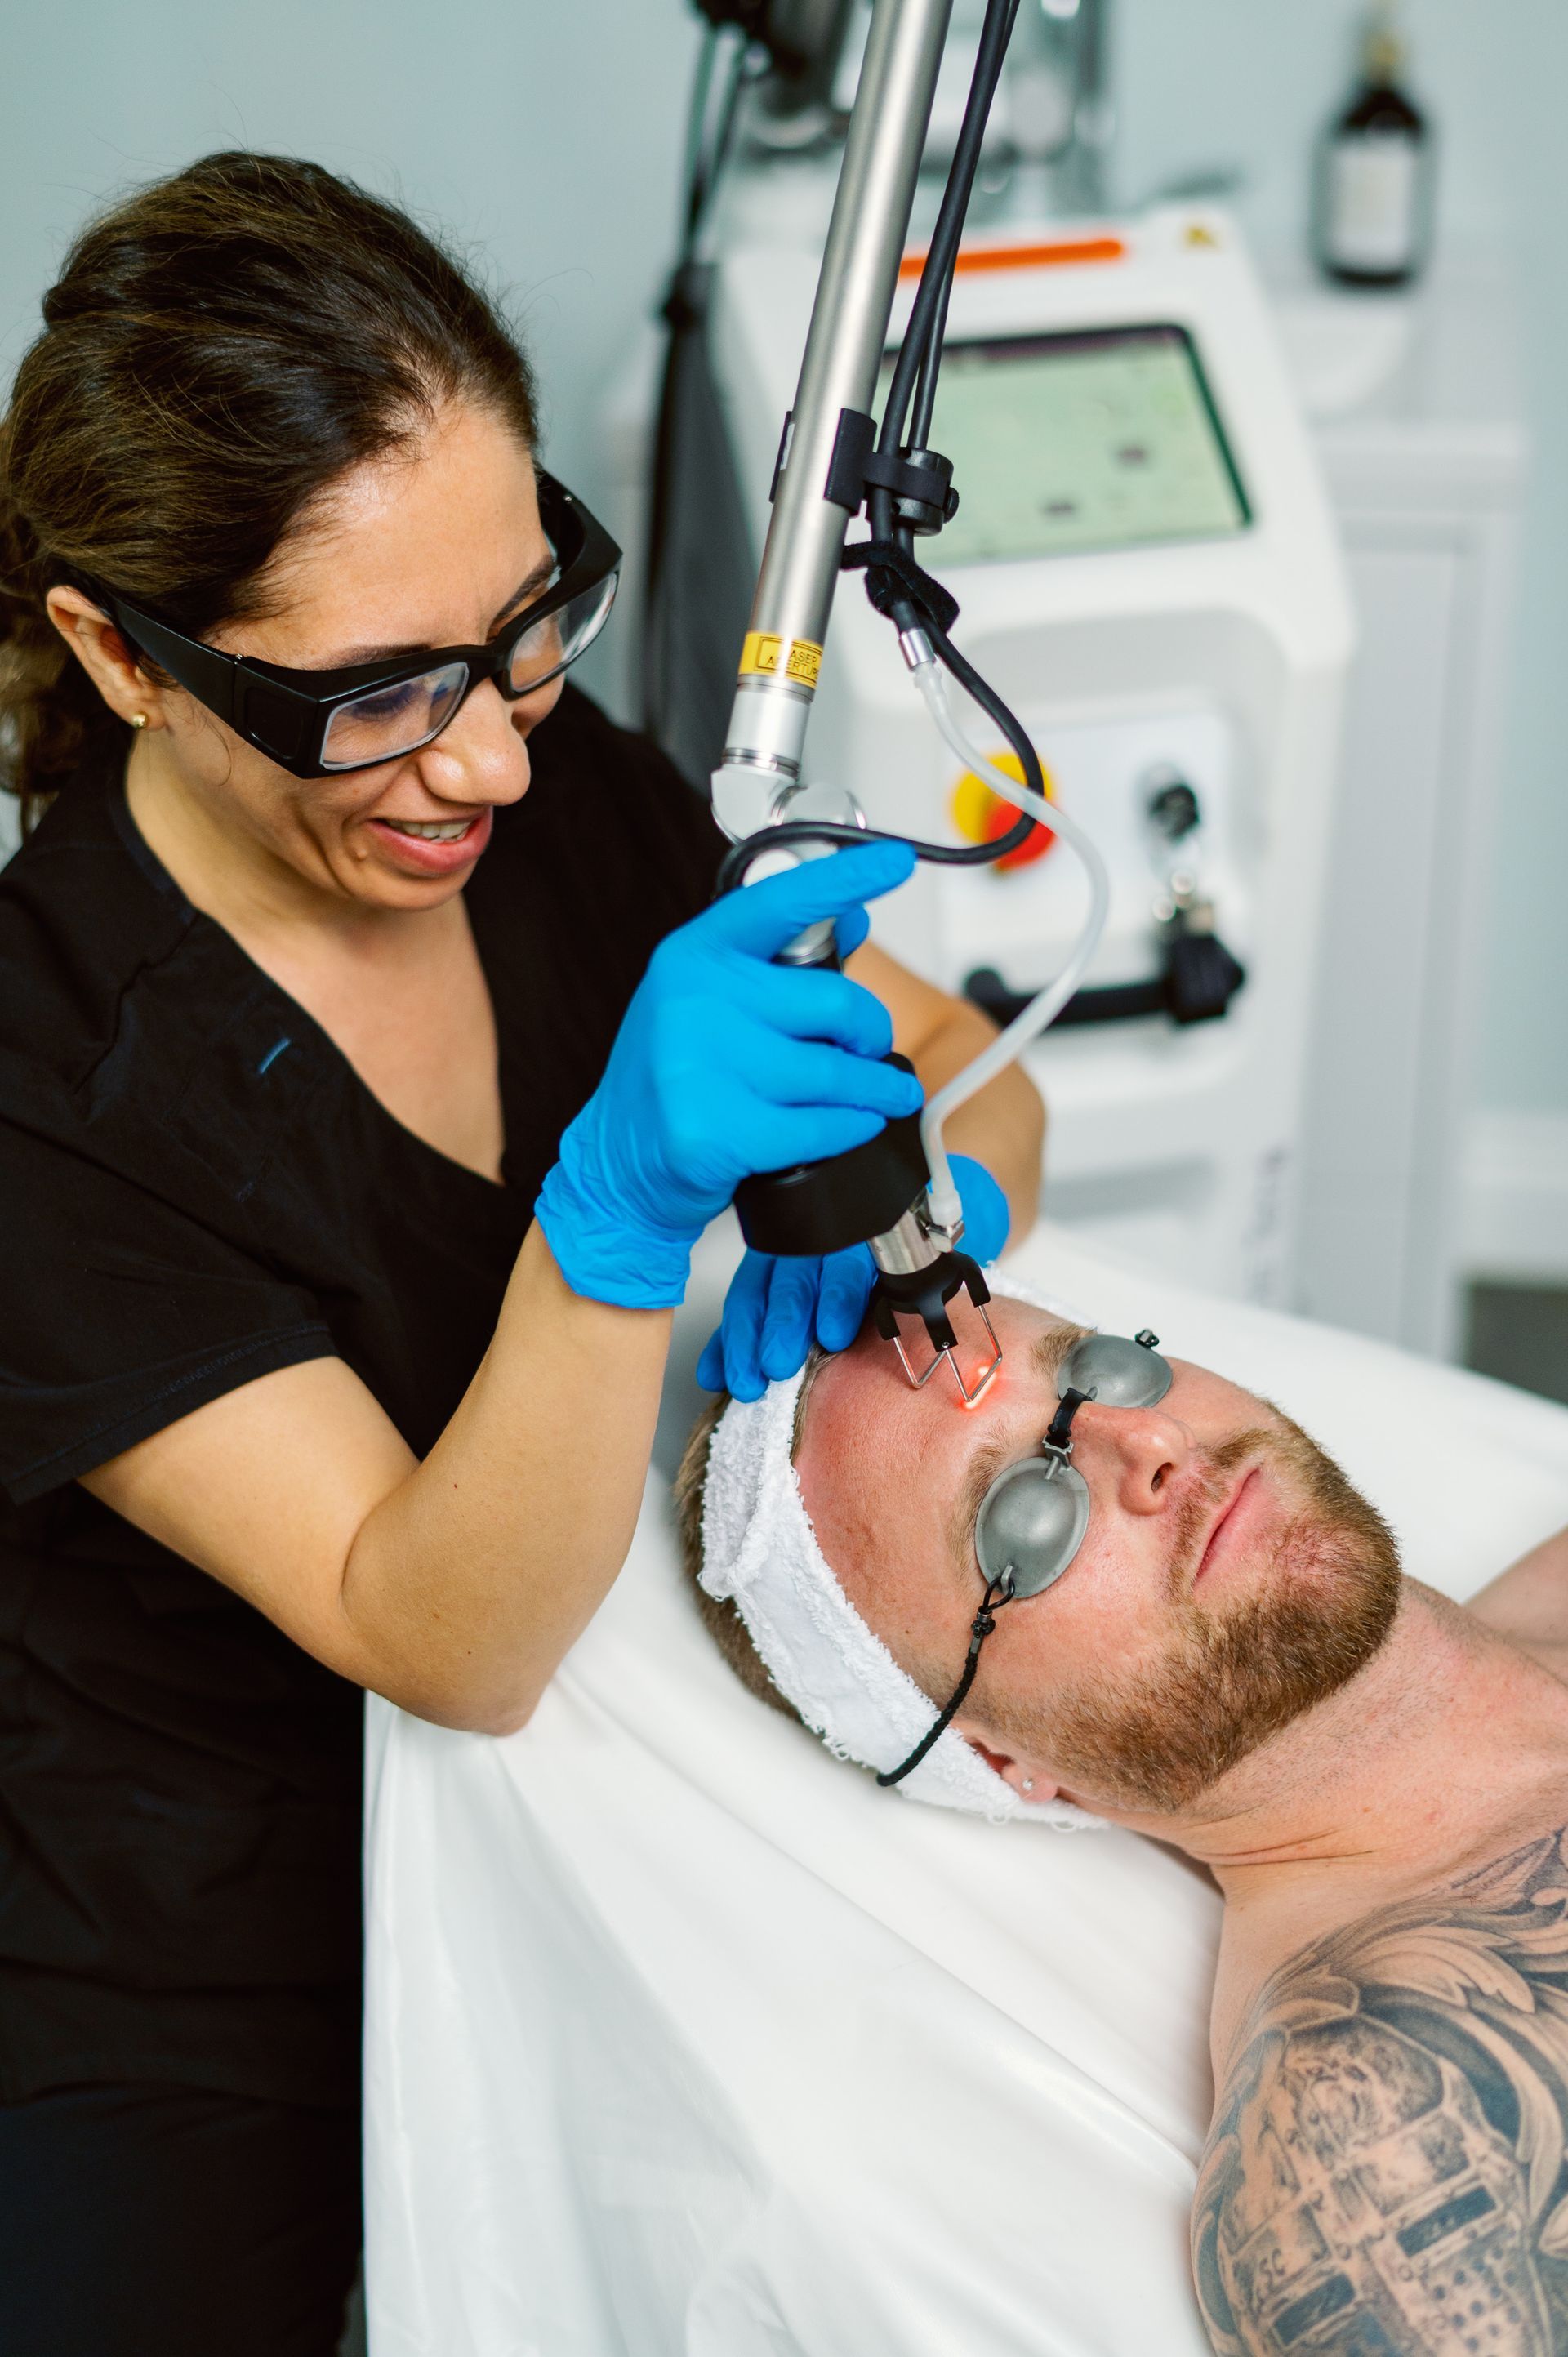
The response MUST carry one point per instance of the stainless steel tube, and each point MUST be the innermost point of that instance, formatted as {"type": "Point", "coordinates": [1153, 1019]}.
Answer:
{"type": "Point", "coordinates": [908, 1247]}
{"type": "Point", "coordinates": [848, 332]}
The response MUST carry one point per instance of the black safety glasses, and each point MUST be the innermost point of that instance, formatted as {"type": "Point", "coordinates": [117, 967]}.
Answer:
{"type": "Point", "coordinates": [318, 723]}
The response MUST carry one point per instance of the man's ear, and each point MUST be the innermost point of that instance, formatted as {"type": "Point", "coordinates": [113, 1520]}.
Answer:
{"type": "Point", "coordinates": [109, 663]}
{"type": "Point", "coordinates": [1029, 1782]}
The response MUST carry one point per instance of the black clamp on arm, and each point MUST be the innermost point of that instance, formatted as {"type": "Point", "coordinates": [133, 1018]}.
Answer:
{"type": "Point", "coordinates": [925, 1292]}
{"type": "Point", "coordinates": [920, 481]}
{"type": "Point", "coordinates": [893, 577]}
{"type": "Point", "coordinates": [923, 501]}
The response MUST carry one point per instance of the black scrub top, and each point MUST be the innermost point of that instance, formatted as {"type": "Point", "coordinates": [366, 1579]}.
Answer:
{"type": "Point", "coordinates": [195, 1188]}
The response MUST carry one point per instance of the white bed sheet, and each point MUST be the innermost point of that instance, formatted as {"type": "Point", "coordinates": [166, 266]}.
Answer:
{"type": "Point", "coordinates": [685, 2040]}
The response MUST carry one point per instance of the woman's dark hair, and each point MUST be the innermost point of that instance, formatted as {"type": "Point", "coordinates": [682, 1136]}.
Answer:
{"type": "Point", "coordinates": [219, 350]}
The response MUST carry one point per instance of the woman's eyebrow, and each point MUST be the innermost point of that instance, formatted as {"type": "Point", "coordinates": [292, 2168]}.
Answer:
{"type": "Point", "coordinates": [528, 586]}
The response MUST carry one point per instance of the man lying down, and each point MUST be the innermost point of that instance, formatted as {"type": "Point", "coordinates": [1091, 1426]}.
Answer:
{"type": "Point", "coordinates": [1220, 1651]}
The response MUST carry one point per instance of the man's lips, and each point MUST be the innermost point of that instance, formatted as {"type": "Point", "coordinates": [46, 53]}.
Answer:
{"type": "Point", "coordinates": [1230, 1524]}
{"type": "Point", "coordinates": [418, 855]}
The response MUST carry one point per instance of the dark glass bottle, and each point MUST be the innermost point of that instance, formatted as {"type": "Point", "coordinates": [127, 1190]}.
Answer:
{"type": "Point", "coordinates": [1373, 213]}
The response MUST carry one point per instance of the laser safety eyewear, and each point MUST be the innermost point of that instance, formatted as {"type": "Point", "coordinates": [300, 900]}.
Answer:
{"type": "Point", "coordinates": [1034, 1516]}
{"type": "Point", "coordinates": [319, 724]}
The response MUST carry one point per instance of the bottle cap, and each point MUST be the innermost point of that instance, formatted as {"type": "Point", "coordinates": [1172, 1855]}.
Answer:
{"type": "Point", "coordinates": [1384, 53]}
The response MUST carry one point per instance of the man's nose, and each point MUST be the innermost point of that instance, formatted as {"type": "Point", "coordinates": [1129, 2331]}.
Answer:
{"type": "Point", "coordinates": [1140, 1452]}
{"type": "Point", "coordinates": [480, 757]}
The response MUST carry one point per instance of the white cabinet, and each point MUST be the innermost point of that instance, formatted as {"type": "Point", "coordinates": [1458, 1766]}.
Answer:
{"type": "Point", "coordinates": [1416, 411]}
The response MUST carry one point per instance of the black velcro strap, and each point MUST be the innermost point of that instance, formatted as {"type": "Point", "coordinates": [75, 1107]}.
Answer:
{"type": "Point", "coordinates": [892, 576]}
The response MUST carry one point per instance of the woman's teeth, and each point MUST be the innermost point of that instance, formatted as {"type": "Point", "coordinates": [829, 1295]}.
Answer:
{"type": "Point", "coordinates": [431, 830]}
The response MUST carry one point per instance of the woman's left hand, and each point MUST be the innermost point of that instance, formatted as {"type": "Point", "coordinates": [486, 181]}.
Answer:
{"type": "Point", "coordinates": [776, 1308]}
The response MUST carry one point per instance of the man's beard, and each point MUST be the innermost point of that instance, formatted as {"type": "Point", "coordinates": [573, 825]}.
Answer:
{"type": "Point", "coordinates": [1236, 1675]}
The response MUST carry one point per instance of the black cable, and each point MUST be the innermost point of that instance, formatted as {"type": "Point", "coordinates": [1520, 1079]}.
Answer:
{"type": "Point", "coordinates": [926, 392]}
{"type": "Point", "coordinates": [707, 153]}
{"type": "Point", "coordinates": [919, 430]}
{"type": "Point", "coordinates": [1017, 735]}
{"type": "Point", "coordinates": [706, 171]}
{"type": "Point", "coordinates": [737, 860]}
{"type": "Point", "coordinates": [919, 359]}
{"type": "Point", "coordinates": [942, 256]}
{"type": "Point", "coordinates": [696, 129]}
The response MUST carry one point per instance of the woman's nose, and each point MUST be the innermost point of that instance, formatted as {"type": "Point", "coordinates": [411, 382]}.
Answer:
{"type": "Point", "coordinates": [480, 757]}
{"type": "Point", "coordinates": [1141, 1451]}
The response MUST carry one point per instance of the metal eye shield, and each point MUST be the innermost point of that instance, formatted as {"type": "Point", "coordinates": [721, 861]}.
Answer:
{"type": "Point", "coordinates": [1033, 1518]}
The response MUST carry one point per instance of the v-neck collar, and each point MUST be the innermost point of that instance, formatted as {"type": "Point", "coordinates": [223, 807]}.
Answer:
{"type": "Point", "coordinates": [299, 1024]}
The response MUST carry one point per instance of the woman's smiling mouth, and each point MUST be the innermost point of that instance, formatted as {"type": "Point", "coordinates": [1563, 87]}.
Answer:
{"type": "Point", "coordinates": [434, 847]}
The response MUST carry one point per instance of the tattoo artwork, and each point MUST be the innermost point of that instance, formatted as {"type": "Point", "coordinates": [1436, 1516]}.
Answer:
{"type": "Point", "coordinates": [1388, 2172]}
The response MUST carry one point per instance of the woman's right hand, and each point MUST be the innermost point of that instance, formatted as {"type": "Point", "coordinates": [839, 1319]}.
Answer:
{"type": "Point", "coordinates": [724, 1065]}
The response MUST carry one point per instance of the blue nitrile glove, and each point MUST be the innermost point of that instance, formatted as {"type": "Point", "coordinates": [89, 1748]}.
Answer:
{"type": "Point", "coordinates": [776, 1308]}
{"type": "Point", "coordinates": [724, 1065]}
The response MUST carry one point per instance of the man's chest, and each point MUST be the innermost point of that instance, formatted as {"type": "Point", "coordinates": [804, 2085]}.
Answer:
{"type": "Point", "coordinates": [1388, 2168]}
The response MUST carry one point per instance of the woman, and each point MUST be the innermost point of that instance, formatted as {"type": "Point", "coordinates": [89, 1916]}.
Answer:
{"type": "Point", "coordinates": [320, 971]}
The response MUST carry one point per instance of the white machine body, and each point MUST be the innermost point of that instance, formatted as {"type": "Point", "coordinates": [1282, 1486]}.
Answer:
{"type": "Point", "coordinates": [1209, 641]}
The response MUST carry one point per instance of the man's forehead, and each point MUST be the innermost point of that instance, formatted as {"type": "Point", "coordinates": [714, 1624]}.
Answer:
{"type": "Point", "coordinates": [867, 1386]}
{"type": "Point", "coordinates": [865, 1434]}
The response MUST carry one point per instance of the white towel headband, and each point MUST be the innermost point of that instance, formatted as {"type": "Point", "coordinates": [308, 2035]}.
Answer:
{"type": "Point", "coordinates": [760, 1549]}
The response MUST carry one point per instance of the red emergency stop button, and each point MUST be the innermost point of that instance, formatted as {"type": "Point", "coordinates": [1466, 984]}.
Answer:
{"type": "Point", "coordinates": [981, 816]}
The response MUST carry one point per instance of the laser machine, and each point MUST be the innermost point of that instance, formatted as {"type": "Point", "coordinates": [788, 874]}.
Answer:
{"type": "Point", "coordinates": [1148, 579]}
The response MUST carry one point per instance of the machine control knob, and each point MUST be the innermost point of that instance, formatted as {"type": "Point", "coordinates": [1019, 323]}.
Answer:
{"type": "Point", "coordinates": [1174, 810]}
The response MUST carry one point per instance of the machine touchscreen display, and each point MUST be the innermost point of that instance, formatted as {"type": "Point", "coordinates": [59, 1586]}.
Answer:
{"type": "Point", "coordinates": [1096, 440]}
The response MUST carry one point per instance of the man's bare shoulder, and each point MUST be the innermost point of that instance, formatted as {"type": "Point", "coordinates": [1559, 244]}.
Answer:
{"type": "Point", "coordinates": [1529, 1604]}
{"type": "Point", "coordinates": [1386, 2175]}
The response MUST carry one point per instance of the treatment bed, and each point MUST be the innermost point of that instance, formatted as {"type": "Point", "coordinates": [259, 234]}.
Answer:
{"type": "Point", "coordinates": [685, 2040]}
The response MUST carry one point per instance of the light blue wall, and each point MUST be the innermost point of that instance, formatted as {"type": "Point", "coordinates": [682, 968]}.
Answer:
{"type": "Point", "coordinates": [546, 133]}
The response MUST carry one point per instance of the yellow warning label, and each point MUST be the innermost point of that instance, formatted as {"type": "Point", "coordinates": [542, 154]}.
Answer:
{"type": "Point", "coordinates": [766, 656]}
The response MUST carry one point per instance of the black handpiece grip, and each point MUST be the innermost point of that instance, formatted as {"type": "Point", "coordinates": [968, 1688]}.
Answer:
{"type": "Point", "coordinates": [824, 1207]}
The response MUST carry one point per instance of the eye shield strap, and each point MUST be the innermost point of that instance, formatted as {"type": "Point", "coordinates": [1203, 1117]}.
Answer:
{"type": "Point", "coordinates": [1035, 1513]}
{"type": "Point", "coordinates": [984, 1622]}
{"type": "Point", "coordinates": [999, 1590]}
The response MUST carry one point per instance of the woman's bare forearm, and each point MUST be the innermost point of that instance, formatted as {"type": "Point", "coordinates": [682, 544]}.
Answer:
{"type": "Point", "coordinates": [468, 1583]}
{"type": "Point", "coordinates": [1004, 1126]}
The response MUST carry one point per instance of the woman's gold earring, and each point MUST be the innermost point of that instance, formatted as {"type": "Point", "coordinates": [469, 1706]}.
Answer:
{"type": "Point", "coordinates": [138, 720]}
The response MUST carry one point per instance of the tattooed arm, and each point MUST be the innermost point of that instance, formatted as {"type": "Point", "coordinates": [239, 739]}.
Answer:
{"type": "Point", "coordinates": [1529, 1602]}
{"type": "Point", "coordinates": [1386, 2175]}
